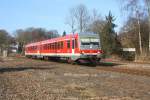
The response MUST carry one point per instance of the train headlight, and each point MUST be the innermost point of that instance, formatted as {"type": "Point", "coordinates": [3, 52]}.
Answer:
{"type": "Point", "coordinates": [82, 52]}
{"type": "Point", "coordinates": [100, 51]}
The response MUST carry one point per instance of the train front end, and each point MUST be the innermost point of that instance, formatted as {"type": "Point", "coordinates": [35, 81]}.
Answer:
{"type": "Point", "coordinates": [90, 48]}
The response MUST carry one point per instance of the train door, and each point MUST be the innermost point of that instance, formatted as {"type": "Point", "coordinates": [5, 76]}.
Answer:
{"type": "Point", "coordinates": [68, 47]}
{"type": "Point", "coordinates": [73, 46]}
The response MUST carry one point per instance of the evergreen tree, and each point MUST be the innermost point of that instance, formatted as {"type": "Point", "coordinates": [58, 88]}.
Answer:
{"type": "Point", "coordinates": [64, 33]}
{"type": "Point", "coordinates": [108, 35]}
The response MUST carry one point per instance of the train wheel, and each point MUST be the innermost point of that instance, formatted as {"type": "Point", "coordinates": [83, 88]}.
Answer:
{"type": "Point", "coordinates": [70, 61]}
{"type": "Point", "coordinates": [45, 58]}
{"type": "Point", "coordinates": [93, 62]}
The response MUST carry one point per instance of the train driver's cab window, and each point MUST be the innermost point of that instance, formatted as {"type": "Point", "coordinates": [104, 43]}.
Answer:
{"type": "Point", "coordinates": [90, 41]}
{"type": "Point", "coordinates": [85, 41]}
{"type": "Point", "coordinates": [68, 44]}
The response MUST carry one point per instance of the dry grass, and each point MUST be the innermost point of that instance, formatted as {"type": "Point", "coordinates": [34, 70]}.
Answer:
{"type": "Point", "coordinates": [28, 79]}
{"type": "Point", "coordinates": [1, 59]}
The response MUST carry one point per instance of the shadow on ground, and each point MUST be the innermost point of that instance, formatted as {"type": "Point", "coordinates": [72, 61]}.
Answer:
{"type": "Point", "coordinates": [16, 69]}
{"type": "Point", "coordinates": [108, 64]}
{"type": "Point", "coordinates": [88, 64]}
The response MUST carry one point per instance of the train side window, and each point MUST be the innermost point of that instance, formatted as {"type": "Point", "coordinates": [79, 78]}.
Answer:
{"type": "Point", "coordinates": [73, 44]}
{"type": "Point", "coordinates": [35, 47]}
{"type": "Point", "coordinates": [46, 46]}
{"type": "Point", "coordinates": [68, 44]}
{"type": "Point", "coordinates": [42, 47]}
{"type": "Point", "coordinates": [55, 45]}
{"type": "Point", "coordinates": [61, 44]}
{"type": "Point", "coordinates": [76, 43]}
{"type": "Point", "coordinates": [50, 46]}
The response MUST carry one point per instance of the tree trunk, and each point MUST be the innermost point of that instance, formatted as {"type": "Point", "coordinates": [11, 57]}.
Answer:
{"type": "Point", "coordinates": [148, 6]}
{"type": "Point", "coordinates": [140, 42]}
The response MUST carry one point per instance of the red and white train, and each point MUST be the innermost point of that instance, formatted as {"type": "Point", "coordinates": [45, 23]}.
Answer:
{"type": "Point", "coordinates": [73, 47]}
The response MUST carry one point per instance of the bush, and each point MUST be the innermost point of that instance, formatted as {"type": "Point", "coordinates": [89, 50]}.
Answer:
{"type": "Point", "coordinates": [128, 56]}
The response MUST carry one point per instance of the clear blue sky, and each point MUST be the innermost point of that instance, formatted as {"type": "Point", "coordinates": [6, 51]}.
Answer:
{"type": "Point", "coordinates": [49, 14]}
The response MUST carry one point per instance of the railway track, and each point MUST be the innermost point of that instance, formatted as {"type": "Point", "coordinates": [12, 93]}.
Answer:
{"type": "Point", "coordinates": [112, 68]}
{"type": "Point", "coordinates": [138, 72]}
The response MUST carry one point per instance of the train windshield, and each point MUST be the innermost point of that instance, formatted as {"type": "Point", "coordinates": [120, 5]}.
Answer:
{"type": "Point", "coordinates": [90, 41]}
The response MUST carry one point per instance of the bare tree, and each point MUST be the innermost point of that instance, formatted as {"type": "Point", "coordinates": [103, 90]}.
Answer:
{"type": "Point", "coordinates": [148, 7]}
{"type": "Point", "coordinates": [139, 32]}
{"type": "Point", "coordinates": [33, 35]}
{"type": "Point", "coordinates": [5, 40]}
{"type": "Point", "coordinates": [129, 37]}
{"type": "Point", "coordinates": [79, 18]}
{"type": "Point", "coordinates": [70, 20]}
{"type": "Point", "coordinates": [96, 22]}
{"type": "Point", "coordinates": [134, 8]}
{"type": "Point", "coordinates": [95, 16]}
{"type": "Point", "coordinates": [82, 17]}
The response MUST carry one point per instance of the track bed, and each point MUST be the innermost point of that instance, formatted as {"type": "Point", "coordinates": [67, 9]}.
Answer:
{"type": "Point", "coordinates": [23, 79]}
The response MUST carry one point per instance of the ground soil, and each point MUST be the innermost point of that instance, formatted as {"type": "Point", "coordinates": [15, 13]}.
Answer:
{"type": "Point", "coordinates": [28, 79]}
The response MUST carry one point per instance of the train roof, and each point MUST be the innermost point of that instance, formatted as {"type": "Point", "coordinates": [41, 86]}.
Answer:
{"type": "Point", "coordinates": [88, 34]}
{"type": "Point", "coordinates": [51, 40]}
{"type": "Point", "coordinates": [82, 34]}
